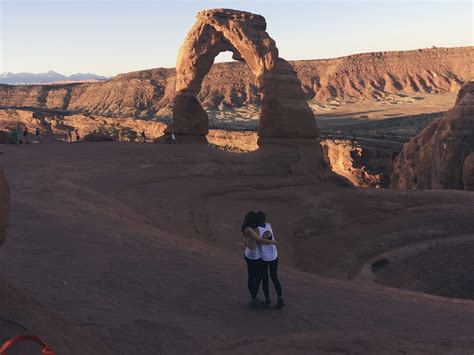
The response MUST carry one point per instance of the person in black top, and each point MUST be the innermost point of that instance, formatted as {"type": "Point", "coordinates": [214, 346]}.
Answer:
{"type": "Point", "coordinates": [38, 135]}
{"type": "Point", "coordinates": [25, 135]}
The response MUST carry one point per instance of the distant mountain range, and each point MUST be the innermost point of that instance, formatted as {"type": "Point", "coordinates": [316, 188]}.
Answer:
{"type": "Point", "coordinates": [46, 78]}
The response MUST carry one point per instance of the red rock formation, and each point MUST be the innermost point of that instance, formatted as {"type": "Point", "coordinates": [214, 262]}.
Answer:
{"type": "Point", "coordinates": [440, 157]}
{"type": "Point", "coordinates": [284, 111]}
{"type": "Point", "coordinates": [4, 206]}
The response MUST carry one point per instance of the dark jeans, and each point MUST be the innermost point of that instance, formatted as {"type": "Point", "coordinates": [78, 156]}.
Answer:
{"type": "Point", "coordinates": [254, 271]}
{"type": "Point", "coordinates": [271, 266]}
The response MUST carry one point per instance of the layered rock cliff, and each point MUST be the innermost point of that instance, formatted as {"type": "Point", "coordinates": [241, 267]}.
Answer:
{"type": "Point", "coordinates": [441, 156]}
{"type": "Point", "coordinates": [151, 93]}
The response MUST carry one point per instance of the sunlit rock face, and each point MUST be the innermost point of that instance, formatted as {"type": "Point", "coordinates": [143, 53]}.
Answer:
{"type": "Point", "coordinates": [440, 157]}
{"type": "Point", "coordinates": [4, 206]}
{"type": "Point", "coordinates": [284, 110]}
{"type": "Point", "coordinates": [366, 164]}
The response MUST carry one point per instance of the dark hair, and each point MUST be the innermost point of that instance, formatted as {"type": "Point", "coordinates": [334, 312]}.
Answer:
{"type": "Point", "coordinates": [250, 220]}
{"type": "Point", "coordinates": [261, 219]}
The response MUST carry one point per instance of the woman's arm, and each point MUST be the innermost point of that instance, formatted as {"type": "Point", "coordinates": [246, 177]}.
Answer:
{"type": "Point", "coordinates": [249, 232]}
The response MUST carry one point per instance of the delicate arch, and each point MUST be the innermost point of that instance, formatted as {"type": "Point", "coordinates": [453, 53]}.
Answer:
{"type": "Point", "coordinates": [284, 110]}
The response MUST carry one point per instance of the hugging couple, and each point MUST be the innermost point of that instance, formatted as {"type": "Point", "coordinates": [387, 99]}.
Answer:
{"type": "Point", "coordinates": [261, 256]}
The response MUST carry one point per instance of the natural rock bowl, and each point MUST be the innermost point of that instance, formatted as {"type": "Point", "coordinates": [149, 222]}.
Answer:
{"type": "Point", "coordinates": [442, 267]}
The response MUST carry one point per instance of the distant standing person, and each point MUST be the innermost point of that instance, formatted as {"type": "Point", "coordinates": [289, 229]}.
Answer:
{"type": "Point", "coordinates": [15, 135]}
{"type": "Point", "coordinates": [269, 254]}
{"type": "Point", "coordinates": [143, 136]}
{"type": "Point", "coordinates": [69, 134]}
{"type": "Point", "coordinates": [38, 135]}
{"type": "Point", "coordinates": [77, 135]}
{"type": "Point", "coordinates": [173, 138]}
{"type": "Point", "coordinates": [26, 135]}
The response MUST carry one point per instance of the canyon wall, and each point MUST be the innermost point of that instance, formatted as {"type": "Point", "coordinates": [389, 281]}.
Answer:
{"type": "Point", "coordinates": [151, 93]}
{"type": "Point", "coordinates": [441, 156]}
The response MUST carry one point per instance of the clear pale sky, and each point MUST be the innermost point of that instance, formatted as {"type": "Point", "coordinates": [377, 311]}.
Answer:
{"type": "Point", "coordinates": [111, 37]}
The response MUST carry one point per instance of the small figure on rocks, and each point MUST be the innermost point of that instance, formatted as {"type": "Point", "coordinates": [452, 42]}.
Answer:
{"type": "Point", "coordinates": [78, 137]}
{"type": "Point", "coordinates": [69, 134]}
{"type": "Point", "coordinates": [38, 135]}
{"type": "Point", "coordinates": [15, 135]}
{"type": "Point", "coordinates": [26, 135]}
{"type": "Point", "coordinates": [143, 136]}
{"type": "Point", "coordinates": [173, 138]}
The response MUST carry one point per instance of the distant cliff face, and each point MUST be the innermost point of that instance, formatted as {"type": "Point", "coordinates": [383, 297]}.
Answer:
{"type": "Point", "coordinates": [358, 77]}
{"type": "Point", "coordinates": [442, 155]}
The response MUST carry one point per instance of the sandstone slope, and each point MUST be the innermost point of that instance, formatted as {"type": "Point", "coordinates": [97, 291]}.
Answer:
{"type": "Point", "coordinates": [440, 157]}
{"type": "Point", "coordinates": [139, 246]}
{"type": "Point", "coordinates": [150, 93]}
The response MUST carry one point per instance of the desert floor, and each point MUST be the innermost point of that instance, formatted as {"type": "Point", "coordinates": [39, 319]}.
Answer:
{"type": "Point", "coordinates": [123, 248]}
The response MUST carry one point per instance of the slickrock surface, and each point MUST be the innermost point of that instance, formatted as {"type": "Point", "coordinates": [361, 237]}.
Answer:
{"type": "Point", "coordinates": [148, 93]}
{"type": "Point", "coordinates": [20, 314]}
{"type": "Point", "coordinates": [138, 246]}
{"type": "Point", "coordinates": [437, 157]}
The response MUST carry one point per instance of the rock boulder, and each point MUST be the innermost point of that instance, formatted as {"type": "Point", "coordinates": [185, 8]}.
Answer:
{"type": "Point", "coordinates": [6, 138]}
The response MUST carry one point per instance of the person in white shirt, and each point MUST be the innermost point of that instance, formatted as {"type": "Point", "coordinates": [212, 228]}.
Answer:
{"type": "Point", "coordinates": [269, 255]}
{"type": "Point", "coordinates": [255, 265]}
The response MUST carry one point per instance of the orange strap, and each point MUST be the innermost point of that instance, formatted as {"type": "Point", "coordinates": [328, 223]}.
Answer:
{"type": "Point", "coordinates": [8, 343]}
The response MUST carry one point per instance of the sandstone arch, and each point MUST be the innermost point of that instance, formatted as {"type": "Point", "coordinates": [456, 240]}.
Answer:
{"type": "Point", "coordinates": [284, 110]}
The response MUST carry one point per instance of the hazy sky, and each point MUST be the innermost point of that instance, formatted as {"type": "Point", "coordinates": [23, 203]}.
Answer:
{"type": "Point", "coordinates": [111, 37]}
